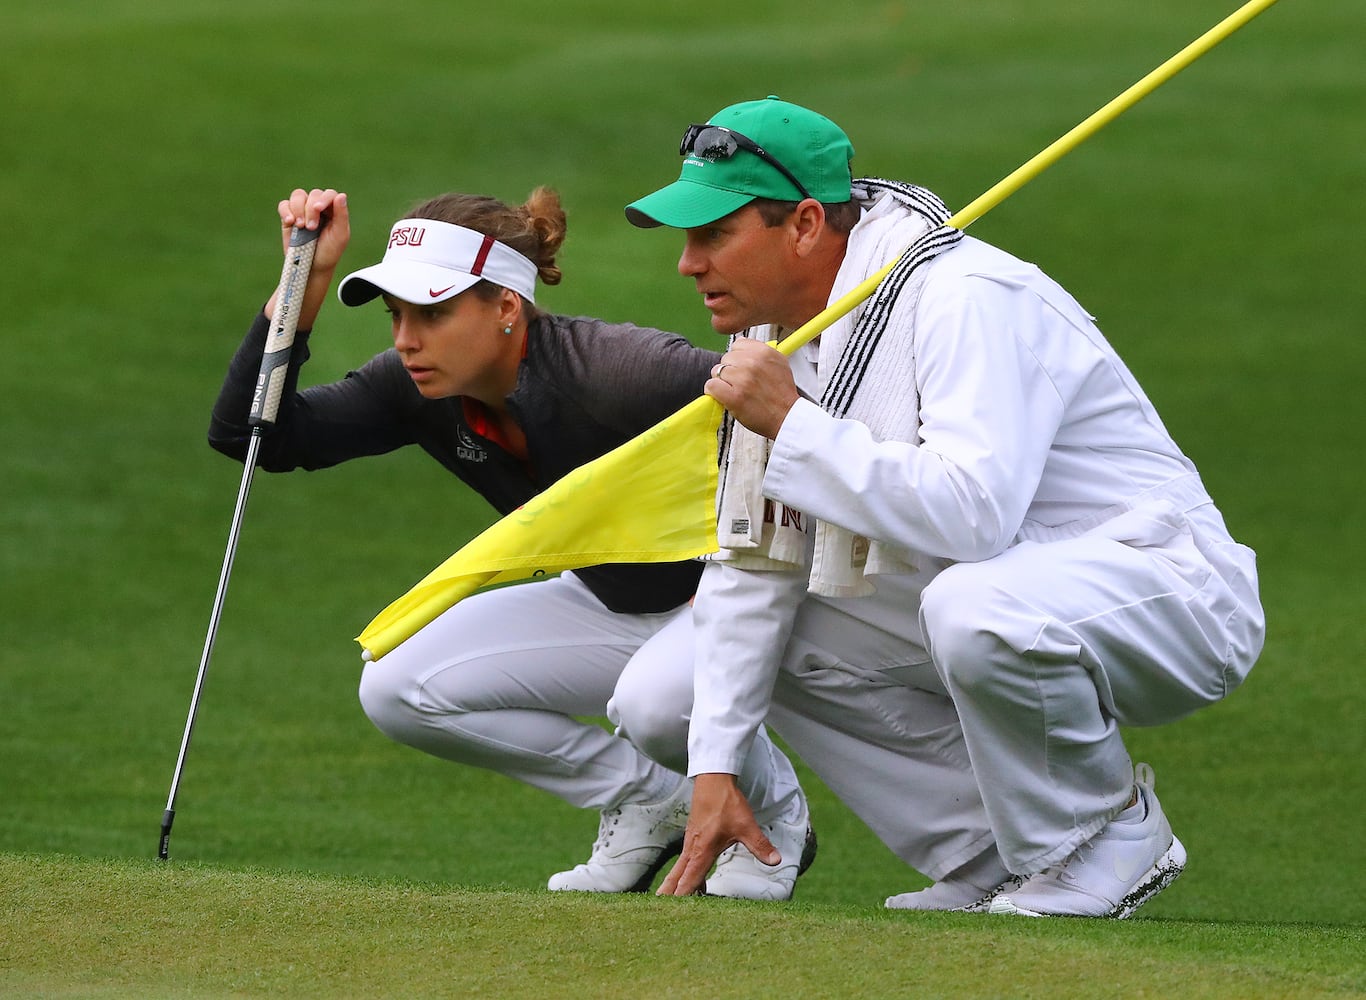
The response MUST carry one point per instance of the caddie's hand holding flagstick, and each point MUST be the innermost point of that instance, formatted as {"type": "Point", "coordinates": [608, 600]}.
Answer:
{"type": "Point", "coordinates": [754, 382]}
{"type": "Point", "coordinates": [315, 228]}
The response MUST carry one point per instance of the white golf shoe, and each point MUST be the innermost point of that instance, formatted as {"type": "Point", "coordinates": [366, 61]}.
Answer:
{"type": "Point", "coordinates": [634, 842]}
{"type": "Point", "coordinates": [967, 889]}
{"type": "Point", "coordinates": [1132, 859]}
{"type": "Point", "coordinates": [740, 875]}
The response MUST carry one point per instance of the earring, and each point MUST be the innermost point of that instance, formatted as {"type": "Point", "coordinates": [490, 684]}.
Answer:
{"type": "Point", "coordinates": [507, 331]}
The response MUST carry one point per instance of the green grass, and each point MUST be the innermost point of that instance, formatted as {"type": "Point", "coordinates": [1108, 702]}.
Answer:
{"type": "Point", "coordinates": [1215, 230]}
{"type": "Point", "coordinates": [268, 933]}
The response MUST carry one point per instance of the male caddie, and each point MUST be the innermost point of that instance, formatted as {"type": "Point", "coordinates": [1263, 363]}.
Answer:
{"type": "Point", "coordinates": [1002, 556]}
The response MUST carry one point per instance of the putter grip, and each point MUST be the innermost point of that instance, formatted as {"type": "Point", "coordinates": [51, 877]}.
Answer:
{"type": "Point", "coordinates": [270, 383]}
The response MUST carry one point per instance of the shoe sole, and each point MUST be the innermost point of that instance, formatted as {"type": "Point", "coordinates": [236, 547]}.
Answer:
{"type": "Point", "coordinates": [809, 848]}
{"type": "Point", "coordinates": [1168, 868]}
{"type": "Point", "coordinates": [983, 904]}
{"type": "Point", "coordinates": [1161, 875]}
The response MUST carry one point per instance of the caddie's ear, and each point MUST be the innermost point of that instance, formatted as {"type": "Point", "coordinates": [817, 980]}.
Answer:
{"type": "Point", "coordinates": [808, 225]}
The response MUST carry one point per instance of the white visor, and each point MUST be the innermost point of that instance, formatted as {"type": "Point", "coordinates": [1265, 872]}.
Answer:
{"type": "Point", "coordinates": [430, 261]}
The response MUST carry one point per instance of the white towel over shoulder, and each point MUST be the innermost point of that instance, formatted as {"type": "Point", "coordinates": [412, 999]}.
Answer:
{"type": "Point", "coordinates": [866, 368]}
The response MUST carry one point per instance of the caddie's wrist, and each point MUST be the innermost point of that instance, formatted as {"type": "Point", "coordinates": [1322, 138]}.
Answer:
{"type": "Point", "coordinates": [777, 426]}
{"type": "Point", "coordinates": [715, 780]}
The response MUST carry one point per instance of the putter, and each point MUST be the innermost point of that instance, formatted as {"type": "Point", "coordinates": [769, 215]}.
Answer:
{"type": "Point", "coordinates": [265, 404]}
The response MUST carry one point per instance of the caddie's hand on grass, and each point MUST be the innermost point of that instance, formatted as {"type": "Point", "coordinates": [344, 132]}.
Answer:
{"type": "Point", "coordinates": [753, 381]}
{"type": "Point", "coordinates": [325, 210]}
{"type": "Point", "coordinates": [721, 816]}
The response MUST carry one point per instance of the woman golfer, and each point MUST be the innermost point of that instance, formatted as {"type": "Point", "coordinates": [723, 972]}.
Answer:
{"type": "Point", "coordinates": [509, 398]}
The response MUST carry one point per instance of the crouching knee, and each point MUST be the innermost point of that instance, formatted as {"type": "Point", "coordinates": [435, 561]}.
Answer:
{"type": "Point", "coordinates": [388, 699]}
{"type": "Point", "coordinates": [962, 615]}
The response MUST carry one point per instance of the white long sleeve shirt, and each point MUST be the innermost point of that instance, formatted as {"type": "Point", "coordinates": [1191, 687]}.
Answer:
{"type": "Point", "coordinates": [1029, 424]}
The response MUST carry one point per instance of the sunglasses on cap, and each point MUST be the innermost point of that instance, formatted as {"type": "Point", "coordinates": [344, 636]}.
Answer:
{"type": "Point", "coordinates": [715, 142]}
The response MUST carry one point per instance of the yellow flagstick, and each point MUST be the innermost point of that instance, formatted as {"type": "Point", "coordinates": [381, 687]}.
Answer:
{"type": "Point", "coordinates": [645, 501]}
{"type": "Point", "coordinates": [1004, 188]}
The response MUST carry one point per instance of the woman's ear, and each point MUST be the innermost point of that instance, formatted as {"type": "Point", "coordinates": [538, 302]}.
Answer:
{"type": "Point", "coordinates": [509, 308]}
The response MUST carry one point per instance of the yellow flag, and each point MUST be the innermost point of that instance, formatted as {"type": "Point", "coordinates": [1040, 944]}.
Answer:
{"type": "Point", "coordinates": [653, 499]}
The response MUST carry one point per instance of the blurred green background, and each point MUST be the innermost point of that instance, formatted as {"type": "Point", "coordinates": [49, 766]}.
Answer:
{"type": "Point", "coordinates": [1215, 230]}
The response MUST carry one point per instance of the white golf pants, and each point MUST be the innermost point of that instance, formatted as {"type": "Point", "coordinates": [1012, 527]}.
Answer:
{"type": "Point", "coordinates": [890, 750]}
{"type": "Point", "coordinates": [1010, 734]}
{"type": "Point", "coordinates": [1047, 649]}
{"type": "Point", "coordinates": [497, 681]}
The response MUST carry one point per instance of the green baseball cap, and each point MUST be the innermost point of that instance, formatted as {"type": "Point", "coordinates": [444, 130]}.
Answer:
{"type": "Point", "coordinates": [758, 149]}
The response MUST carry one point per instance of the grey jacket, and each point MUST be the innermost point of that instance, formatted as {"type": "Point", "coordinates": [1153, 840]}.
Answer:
{"type": "Point", "coordinates": [584, 387]}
